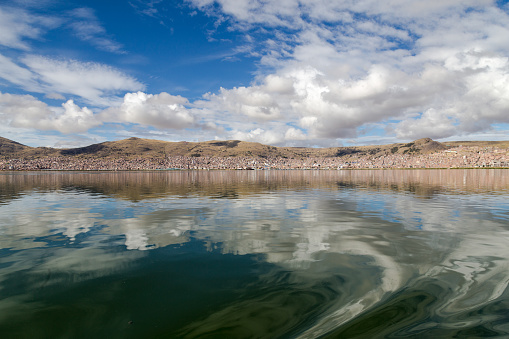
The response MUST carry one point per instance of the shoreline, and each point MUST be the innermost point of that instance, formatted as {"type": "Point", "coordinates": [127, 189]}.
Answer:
{"type": "Point", "coordinates": [234, 170]}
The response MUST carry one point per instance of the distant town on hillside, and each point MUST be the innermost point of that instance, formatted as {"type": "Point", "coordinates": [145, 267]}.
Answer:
{"type": "Point", "coordinates": [147, 154]}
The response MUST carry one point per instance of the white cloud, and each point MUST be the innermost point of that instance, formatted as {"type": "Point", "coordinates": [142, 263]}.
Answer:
{"type": "Point", "coordinates": [73, 120]}
{"type": "Point", "coordinates": [294, 13]}
{"type": "Point", "coordinates": [22, 110]}
{"type": "Point", "coordinates": [268, 137]}
{"type": "Point", "coordinates": [94, 82]}
{"type": "Point", "coordinates": [439, 68]}
{"type": "Point", "coordinates": [330, 69]}
{"type": "Point", "coordinates": [432, 124]}
{"type": "Point", "coordinates": [148, 8]}
{"type": "Point", "coordinates": [87, 27]}
{"type": "Point", "coordinates": [25, 111]}
{"type": "Point", "coordinates": [293, 134]}
{"type": "Point", "coordinates": [15, 74]}
{"type": "Point", "coordinates": [252, 102]}
{"type": "Point", "coordinates": [372, 27]}
{"type": "Point", "coordinates": [160, 111]}
{"type": "Point", "coordinates": [16, 25]}
{"type": "Point", "coordinates": [54, 96]}
{"type": "Point", "coordinates": [479, 99]}
{"type": "Point", "coordinates": [326, 108]}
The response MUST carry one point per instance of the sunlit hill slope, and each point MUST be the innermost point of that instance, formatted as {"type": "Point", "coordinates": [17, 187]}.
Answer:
{"type": "Point", "coordinates": [148, 148]}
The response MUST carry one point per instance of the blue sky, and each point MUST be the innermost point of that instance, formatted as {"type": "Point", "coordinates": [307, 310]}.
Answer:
{"type": "Point", "coordinates": [286, 72]}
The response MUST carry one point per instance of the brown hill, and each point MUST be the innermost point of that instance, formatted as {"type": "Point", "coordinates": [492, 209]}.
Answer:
{"type": "Point", "coordinates": [148, 148]}
{"type": "Point", "coordinates": [13, 149]}
{"type": "Point", "coordinates": [420, 146]}
{"type": "Point", "coordinates": [137, 147]}
{"type": "Point", "coordinates": [499, 144]}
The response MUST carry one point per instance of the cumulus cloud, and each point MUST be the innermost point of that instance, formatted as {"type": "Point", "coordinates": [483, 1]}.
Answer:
{"type": "Point", "coordinates": [25, 111]}
{"type": "Point", "coordinates": [435, 68]}
{"type": "Point", "coordinates": [160, 110]}
{"type": "Point", "coordinates": [294, 134]}
{"type": "Point", "coordinates": [22, 110]}
{"type": "Point", "coordinates": [476, 98]}
{"type": "Point", "coordinates": [253, 102]}
{"type": "Point", "coordinates": [432, 124]}
{"type": "Point", "coordinates": [73, 119]}
{"type": "Point", "coordinates": [324, 107]}
{"type": "Point", "coordinates": [329, 70]}
{"type": "Point", "coordinates": [261, 135]}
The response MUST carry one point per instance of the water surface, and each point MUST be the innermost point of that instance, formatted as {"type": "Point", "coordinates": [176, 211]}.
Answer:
{"type": "Point", "coordinates": [254, 254]}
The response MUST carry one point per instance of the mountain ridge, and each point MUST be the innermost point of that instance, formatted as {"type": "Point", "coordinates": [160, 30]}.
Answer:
{"type": "Point", "coordinates": [150, 148]}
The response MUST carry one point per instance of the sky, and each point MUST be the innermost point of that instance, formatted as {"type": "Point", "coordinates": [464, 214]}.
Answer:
{"type": "Point", "coordinates": [313, 73]}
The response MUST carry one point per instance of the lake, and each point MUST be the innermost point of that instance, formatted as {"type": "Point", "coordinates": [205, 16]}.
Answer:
{"type": "Point", "coordinates": [255, 254]}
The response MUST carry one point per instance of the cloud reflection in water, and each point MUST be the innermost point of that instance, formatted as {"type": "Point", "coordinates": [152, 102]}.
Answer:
{"type": "Point", "coordinates": [351, 242]}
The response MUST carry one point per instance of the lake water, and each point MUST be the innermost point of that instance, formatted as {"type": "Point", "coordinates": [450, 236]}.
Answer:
{"type": "Point", "coordinates": [255, 254]}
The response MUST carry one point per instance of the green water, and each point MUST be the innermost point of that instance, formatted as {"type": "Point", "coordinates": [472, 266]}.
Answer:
{"type": "Point", "coordinates": [255, 254]}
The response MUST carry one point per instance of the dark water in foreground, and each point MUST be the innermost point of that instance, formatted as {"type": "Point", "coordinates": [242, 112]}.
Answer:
{"type": "Point", "coordinates": [255, 254]}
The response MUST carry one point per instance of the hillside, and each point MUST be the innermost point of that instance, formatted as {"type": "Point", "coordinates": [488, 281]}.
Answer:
{"type": "Point", "coordinates": [13, 149]}
{"type": "Point", "coordinates": [147, 148]}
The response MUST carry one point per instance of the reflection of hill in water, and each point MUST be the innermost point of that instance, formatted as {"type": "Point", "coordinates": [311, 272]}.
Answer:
{"type": "Point", "coordinates": [343, 241]}
{"type": "Point", "coordinates": [427, 183]}
{"type": "Point", "coordinates": [136, 186]}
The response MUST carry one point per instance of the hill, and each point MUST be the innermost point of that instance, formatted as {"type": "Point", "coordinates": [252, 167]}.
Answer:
{"type": "Point", "coordinates": [148, 148]}
{"type": "Point", "coordinates": [13, 149]}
